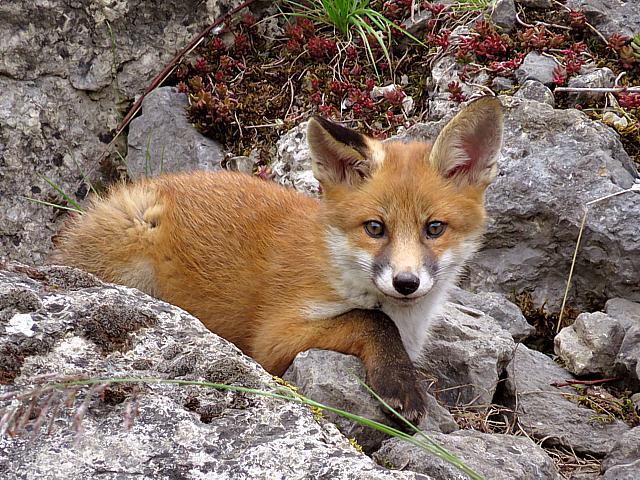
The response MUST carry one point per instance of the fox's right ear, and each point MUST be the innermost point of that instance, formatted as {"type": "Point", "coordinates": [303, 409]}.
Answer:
{"type": "Point", "coordinates": [340, 155]}
{"type": "Point", "coordinates": [467, 148]}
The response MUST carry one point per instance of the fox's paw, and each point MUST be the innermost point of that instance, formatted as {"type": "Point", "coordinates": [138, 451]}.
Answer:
{"type": "Point", "coordinates": [399, 387]}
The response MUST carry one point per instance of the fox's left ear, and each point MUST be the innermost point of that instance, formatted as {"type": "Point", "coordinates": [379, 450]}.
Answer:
{"type": "Point", "coordinates": [467, 148]}
{"type": "Point", "coordinates": [340, 155]}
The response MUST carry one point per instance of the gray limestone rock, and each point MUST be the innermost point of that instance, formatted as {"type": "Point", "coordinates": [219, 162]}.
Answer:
{"type": "Point", "coordinates": [547, 412]}
{"type": "Point", "coordinates": [333, 378]}
{"type": "Point", "coordinates": [536, 67]}
{"type": "Point", "coordinates": [496, 306]}
{"type": "Point", "coordinates": [41, 137]}
{"type": "Point", "coordinates": [496, 457]}
{"type": "Point", "coordinates": [535, 3]}
{"type": "Point", "coordinates": [610, 16]}
{"type": "Point", "coordinates": [623, 462]}
{"type": "Point", "coordinates": [590, 344]}
{"type": "Point", "coordinates": [67, 70]}
{"type": "Point", "coordinates": [534, 90]}
{"type": "Point", "coordinates": [627, 312]}
{"type": "Point", "coordinates": [466, 355]}
{"type": "Point", "coordinates": [153, 148]}
{"type": "Point", "coordinates": [553, 162]}
{"type": "Point", "coordinates": [501, 84]}
{"type": "Point", "coordinates": [503, 14]}
{"type": "Point", "coordinates": [242, 163]}
{"type": "Point", "coordinates": [58, 321]}
{"type": "Point", "coordinates": [292, 164]}
{"type": "Point", "coordinates": [627, 363]}
{"type": "Point", "coordinates": [597, 78]}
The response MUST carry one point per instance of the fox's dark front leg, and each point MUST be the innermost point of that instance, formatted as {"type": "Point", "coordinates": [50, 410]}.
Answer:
{"type": "Point", "coordinates": [373, 337]}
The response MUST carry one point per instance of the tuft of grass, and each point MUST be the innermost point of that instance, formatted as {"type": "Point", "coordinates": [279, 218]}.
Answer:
{"type": "Point", "coordinates": [347, 16]}
{"type": "Point", "coordinates": [27, 410]}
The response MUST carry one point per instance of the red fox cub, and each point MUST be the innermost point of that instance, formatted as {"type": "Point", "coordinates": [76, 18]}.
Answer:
{"type": "Point", "coordinates": [362, 271]}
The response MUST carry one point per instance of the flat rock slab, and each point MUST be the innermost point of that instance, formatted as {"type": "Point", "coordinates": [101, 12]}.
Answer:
{"type": "Point", "coordinates": [466, 354]}
{"type": "Point", "coordinates": [496, 457]}
{"type": "Point", "coordinates": [610, 16]}
{"type": "Point", "coordinates": [623, 462]}
{"type": "Point", "coordinates": [502, 311]}
{"type": "Point", "coordinates": [58, 321]}
{"type": "Point", "coordinates": [545, 412]}
{"type": "Point", "coordinates": [334, 379]}
{"type": "Point", "coordinates": [627, 312]}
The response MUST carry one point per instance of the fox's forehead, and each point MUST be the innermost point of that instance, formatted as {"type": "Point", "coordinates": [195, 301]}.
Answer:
{"type": "Point", "coordinates": [406, 189]}
{"type": "Point", "coordinates": [405, 178]}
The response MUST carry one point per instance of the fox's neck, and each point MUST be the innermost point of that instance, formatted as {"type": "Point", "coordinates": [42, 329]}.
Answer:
{"type": "Point", "coordinates": [414, 321]}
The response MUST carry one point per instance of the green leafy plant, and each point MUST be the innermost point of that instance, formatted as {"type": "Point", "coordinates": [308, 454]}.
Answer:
{"type": "Point", "coordinates": [347, 16]}
{"type": "Point", "coordinates": [13, 419]}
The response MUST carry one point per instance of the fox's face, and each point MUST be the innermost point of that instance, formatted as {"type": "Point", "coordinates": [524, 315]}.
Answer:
{"type": "Point", "coordinates": [402, 218]}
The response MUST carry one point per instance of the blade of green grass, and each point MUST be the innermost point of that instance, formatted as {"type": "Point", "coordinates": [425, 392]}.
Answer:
{"type": "Point", "coordinates": [62, 192]}
{"type": "Point", "coordinates": [440, 451]}
{"type": "Point", "coordinates": [54, 205]}
{"type": "Point", "coordinates": [291, 396]}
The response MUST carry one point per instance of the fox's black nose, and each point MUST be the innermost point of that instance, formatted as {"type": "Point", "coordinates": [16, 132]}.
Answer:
{"type": "Point", "coordinates": [406, 283]}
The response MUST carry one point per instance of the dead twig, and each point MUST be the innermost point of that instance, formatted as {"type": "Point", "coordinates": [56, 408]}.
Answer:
{"type": "Point", "coordinates": [569, 383]}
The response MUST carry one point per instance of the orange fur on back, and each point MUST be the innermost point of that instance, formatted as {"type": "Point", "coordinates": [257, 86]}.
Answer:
{"type": "Point", "coordinates": [233, 250]}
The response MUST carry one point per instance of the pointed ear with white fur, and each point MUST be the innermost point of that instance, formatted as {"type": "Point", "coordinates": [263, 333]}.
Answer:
{"type": "Point", "coordinates": [467, 148]}
{"type": "Point", "coordinates": [340, 155]}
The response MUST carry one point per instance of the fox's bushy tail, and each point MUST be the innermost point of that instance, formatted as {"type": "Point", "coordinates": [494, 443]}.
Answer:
{"type": "Point", "coordinates": [116, 237]}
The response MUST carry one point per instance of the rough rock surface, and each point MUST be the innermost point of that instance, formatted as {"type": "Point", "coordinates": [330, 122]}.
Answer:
{"type": "Point", "coordinates": [496, 457]}
{"type": "Point", "coordinates": [623, 463]}
{"type": "Point", "coordinates": [627, 312]}
{"type": "Point", "coordinates": [546, 412]}
{"type": "Point", "coordinates": [292, 165]}
{"type": "Point", "coordinates": [534, 90]}
{"type": "Point", "coordinates": [610, 16]}
{"type": "Point", "coordinates": [59, 321]}
{"type": "Point", "coordinates": [152, 138]}
{"type": "Point", "coordinates": [65, 70]}
{"type": "Point", "coordinates": [503, 14]}
{"type": "Point", "coordinates": [333, 378]}
{"type": "Point", "coordinates": [628, 360]}
{"type": "Point", "coordinates": [552, 163]}
{"type": "Point", "coordinates": [598, 78]}
{"type": "Point", "coordinates": [535, 3]}
{"type": "Point", "coordinates": [536, 67]}
{"type": "Point", "coordinates": [466, 355]}
{"type": "Point", "coordinates": [496, 306]}
{"type": "Point", "coordinates": [501, 84]}
{"type": "Point", "coordinates": [590, 344]}
{"type": "Point", "coordinates": [446, 70]}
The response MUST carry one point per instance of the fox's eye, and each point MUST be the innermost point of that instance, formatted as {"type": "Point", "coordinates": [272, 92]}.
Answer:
{"type": "Point", "coordinates": [374, 228]}
{"type": "Point", "coordinates": [435, 229]}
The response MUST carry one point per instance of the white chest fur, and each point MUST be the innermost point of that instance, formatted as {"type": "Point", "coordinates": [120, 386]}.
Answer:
{"type": "Point", "coordinates": [413, 321]}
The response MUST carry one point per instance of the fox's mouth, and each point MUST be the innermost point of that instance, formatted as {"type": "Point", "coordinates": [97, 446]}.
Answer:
{"type": "Point", "coordinates": [404, 301]}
